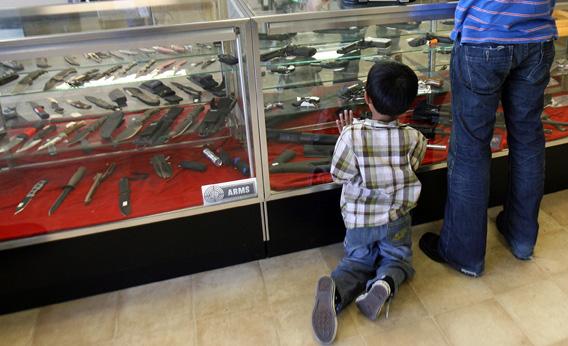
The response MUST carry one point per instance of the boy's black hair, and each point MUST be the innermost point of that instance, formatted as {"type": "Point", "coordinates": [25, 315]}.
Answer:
{"type": "Point", "coordinates": [392, 87]}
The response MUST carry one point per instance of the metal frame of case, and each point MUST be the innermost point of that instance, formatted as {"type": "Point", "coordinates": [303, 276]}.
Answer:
{"type": "Point", "coordinates": [222, 30]}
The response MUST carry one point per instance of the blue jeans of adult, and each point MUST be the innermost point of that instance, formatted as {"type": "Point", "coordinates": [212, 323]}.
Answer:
{"type": "Point", "coordinates": [481, 76]}
{"type": "Point", "coordinates": [371, 254]}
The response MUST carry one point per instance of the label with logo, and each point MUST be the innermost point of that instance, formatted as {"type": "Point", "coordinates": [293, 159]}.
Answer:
{"type": "Point", "coordinates": [229, 191]}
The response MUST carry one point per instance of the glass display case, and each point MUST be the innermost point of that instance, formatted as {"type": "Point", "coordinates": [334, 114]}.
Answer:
{"type": "Point", "coordinates": [313, 65]}
{"type": "Point", "coordinates": [115, 114]}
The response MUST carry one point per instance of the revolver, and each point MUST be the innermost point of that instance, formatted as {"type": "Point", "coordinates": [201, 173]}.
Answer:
{"type": "Point", "coordinates": [306, 102]}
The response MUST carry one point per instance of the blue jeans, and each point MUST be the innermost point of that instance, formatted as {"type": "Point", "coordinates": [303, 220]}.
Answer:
{"type": "Point", "coordinates": [371, 254]}
{"type": "Point", "coordinates": [481, 75]}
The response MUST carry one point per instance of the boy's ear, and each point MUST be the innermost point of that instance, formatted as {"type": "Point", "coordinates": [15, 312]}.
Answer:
{"type": "Point", "coordinates": [367, 98]}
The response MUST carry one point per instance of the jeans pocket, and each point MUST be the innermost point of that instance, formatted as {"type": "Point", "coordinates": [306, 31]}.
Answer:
{"type": "Point", "coordinates": [398, 231]}
{"type": "Point", "coordinates": [485, 68]}
{"type": "Point", "coordinates": [541, 69]}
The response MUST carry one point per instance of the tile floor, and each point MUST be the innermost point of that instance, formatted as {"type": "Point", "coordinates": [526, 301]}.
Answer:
{"type": "Point", "coordinates": [269, 302]}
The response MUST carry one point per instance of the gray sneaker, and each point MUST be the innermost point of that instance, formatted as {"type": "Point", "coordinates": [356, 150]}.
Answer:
{"type": "Point", "coordinates": [324, 318]}
{"type": "Point", "coordinates": [371, 302]}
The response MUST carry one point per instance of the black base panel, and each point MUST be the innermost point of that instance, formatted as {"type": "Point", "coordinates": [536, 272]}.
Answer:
{"type": "Point", "coordinates": [73, 268]}
{"type": "Point", "coordinates": [314, 220]}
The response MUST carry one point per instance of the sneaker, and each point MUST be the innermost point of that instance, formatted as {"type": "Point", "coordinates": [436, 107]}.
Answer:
{"type": "Point", "coordinates": [503, 230]}
{"type": "Point", "coordinates": [371, 302]}
{"type": "Point", "coordinates": [324, 318]}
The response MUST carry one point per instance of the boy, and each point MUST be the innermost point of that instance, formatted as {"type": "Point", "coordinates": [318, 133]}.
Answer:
{"type": "Point", "coordinates": [375, 160]}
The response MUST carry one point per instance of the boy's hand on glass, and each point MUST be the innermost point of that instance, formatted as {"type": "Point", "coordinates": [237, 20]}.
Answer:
{"type": "Point", "coordinates": [345, 119]}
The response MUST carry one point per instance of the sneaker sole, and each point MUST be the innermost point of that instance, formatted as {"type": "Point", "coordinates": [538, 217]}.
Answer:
{"type": "Point", "coordinates": [324, 319]}
{"type": "Point", "coordinates": [372, 302]}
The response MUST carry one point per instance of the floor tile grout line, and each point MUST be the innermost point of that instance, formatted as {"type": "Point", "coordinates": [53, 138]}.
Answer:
{"type": "Point", "coordinates": [515, 321]}
{"type": "Point", "coordinates": [441, 331]}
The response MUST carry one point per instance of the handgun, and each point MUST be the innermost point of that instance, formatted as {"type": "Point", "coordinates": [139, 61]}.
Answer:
{"type": "Point", "coordinates": [368, 42]}
{"type": "Point", "coordinates": [289, 50]}
{"type": "Point", "coordinates": [430, 39]}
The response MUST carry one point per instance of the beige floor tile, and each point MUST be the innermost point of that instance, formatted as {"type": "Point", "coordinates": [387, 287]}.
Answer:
{"type": "Point", "coordinates": [181, 333]}
{"type": "Point", "coordinates": [561, 280]}
{"type": "Point", "coordinates": [504, 272]}
{"type": "Point", "coordinates": [252, 327]}
{"type": "Point", "coordinates": [154, 308]}
{"type": "Point", "coordinates": [17, 329]}
{"type": "Point", "coordinates": [556, 205]}
{"type": "Point", "coordinates": [548, 224]}
{"type": "Point", "coordinates": [449, 290]}
{"type": "Point", "coordinates": [541, 311]}
{"type": "Point", "coordinates": [293, 276]}
{"type": "Point", "coordinates": [332, 254]}
{"type": "Point", "coordinates": [421, 333]}
{"type": "Point", "coordinates": [550, 252]}
{"type": "Point", "coordinates": [405, 309]}
{"type": "Point", "coordinates": [485, 323]}
{"type": "Point", "coordinates": [561, 343]}
{"type": "Point", "coordinates": [80, 322]}
{"type": "Point", "coordinates": [235, 288]}
{"type": "Point", "coordinates": [294, 323]}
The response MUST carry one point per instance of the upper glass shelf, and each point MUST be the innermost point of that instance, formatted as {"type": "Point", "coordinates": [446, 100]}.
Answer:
{"type": "Point", "coordinates": [271, 7]}
{"type": "Point", "coordinates": [52, 19]}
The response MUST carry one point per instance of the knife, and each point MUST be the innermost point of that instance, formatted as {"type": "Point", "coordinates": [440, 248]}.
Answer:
{"type": "Point", "coordinates": [17, 139]}
{"type": "Point", "coordinates": [55, 105]}
{"type": "Point", "coordinates": [41, 62]}
{"type": "Point", "coordinates": [70, 186]}
{"type": "Point", "coordinates": [164, 50]}
{"type": "Point", "coordinates": [182, 127]}
{"type": "Point", "coordinates": [86, 131]}
{"type": "Point", "coordinates": [37, 138]}
{"type": "Point", "coordinates": [135, 125]}
{"type": "Point", "coordinates": [144, 69]}
{"type": "Point", "coordinates": [97, 180]}
{"type": "Point", "coordinates": [124, 196]}
{"type": "Point", "coordinates": [108, 73]}
{"type": "Point", "coordinates": [71, 60]}
{"type": "Point", "coordinates": [82, 78]}
{"type": "Point", "coordinates": [178, 65]}
{"type": "Point", "coordinates": [79, 104]}
{"type": "Point", "coordinates": [27, 81]}
{"type": "Point", "coordinates": [13, 64]}
{"type": "Point", "coordinates": [111, 123]}
{"type": "Point", "coordinates": [101, 103]}
{"type": "Point", "coordinates": [165, 66]}
{"type": "Point", "coordinates": [138, 94]}
{"type": "Point", "coordinates": [118, 97]}
{"type": "Point", "coordinates": [69, 129]}
{"type": "Point", "coordinates": [35, 189]}
{"type": "Point", "coordinates": [59, 78]}
{"type": "Point", "coordinates": [128, 67]}
{"type": "Point", "coordinates": [39, 110]}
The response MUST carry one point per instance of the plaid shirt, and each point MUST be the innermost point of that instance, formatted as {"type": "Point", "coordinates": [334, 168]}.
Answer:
{"type": "Point", "coordinates": [375, 162]}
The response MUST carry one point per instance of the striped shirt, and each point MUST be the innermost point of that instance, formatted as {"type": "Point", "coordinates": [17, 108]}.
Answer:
{"type": "Point", "coordinates": [505, 21]}
{"type": "Point", "coordinates": [375, 162]}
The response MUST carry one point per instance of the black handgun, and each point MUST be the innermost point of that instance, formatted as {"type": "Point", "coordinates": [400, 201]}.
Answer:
{"type": "Point", "coordinates": [425, 111]}
{"type": "Point", "coordinates": [289, 50]}
{"type": "Point", "coordinates": [319, 166]}
{"type": "Point", "coordinates": [216, 115]}
{"type": "Point", "coordinates": [427, 38]}
{"type": "Point", "coordinates": [352, 91]}
{"type": "Point", "coordinates": [368, 42]}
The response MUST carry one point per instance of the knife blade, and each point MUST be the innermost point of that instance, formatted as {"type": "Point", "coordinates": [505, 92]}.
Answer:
{"type": "Point", "coordinates": [41, 62]}
{"type": "Point", "coordinates": [138, 94]}
{"type": "Point", "coordinates": [136, 123]}
{"type": "Point", "coordinates": [182, 127]}
{"type": "Point", "coordinates": [86, 131]}
{"type": "Point", "coordinates": [69, 129]}
{"type": "Point", "coordinates": [39, 110]}
{"type": "Point", "coordinates": [30, 195]}
{"type": "Point", "coordinates": [97, 180]}
{"type": "Point", "coordinates": [124, 196]}
{"type": "Point", "coordinates": [27, 81]}
{"type": "Point", "coordinates": [58, 78]}
{"type": "Point", "coordinates": [111, 123]}
{"type": "Point", "coordinates": [70, 186]}
{"type": "Point", "coordinates": [128, 67]}
{"type": "Point", "coordinates": [17, 139]}
{"type": "Point", "coordinates": [165, 66]}
{"type": "Point", "coordinates": [82, 78]}
{"type": "Point", "coordinates": [101, 103]}
{"type": "Point", "coordinates": [107, 73]}
{"type": "Point", "coordinates": [37, 138]}
{"type": "Point", "coordinates": [13, 64]}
